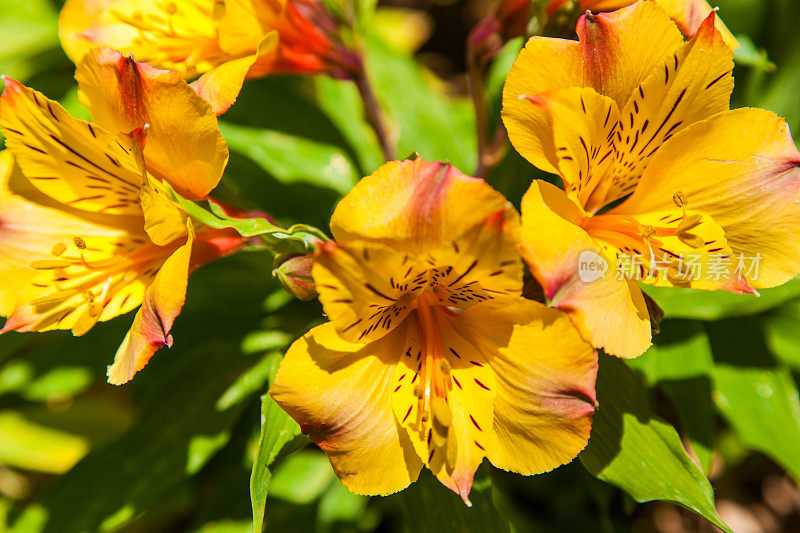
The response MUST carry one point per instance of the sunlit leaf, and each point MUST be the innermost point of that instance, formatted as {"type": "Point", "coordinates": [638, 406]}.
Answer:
{"type": "Point", "coordinates": [755, 393]}
{"type": "Point", "coordinates": [707, 305]}
{"type": "Point", "coordinates": [30, 446]}
{"type": "Point", "coordinates": [424, 119]}
{"type": "Point", "coordinates": [632, 449]}
{"type": "Point", "coordinates": [279, 434]}
{"type": "Point", "coordinates": [292, 159]}
{"type": "Point", "coordinates": [681, 364]}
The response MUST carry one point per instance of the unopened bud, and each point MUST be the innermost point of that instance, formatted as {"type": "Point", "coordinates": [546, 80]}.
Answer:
{"type": "Point", "coordinates": [294, 275]}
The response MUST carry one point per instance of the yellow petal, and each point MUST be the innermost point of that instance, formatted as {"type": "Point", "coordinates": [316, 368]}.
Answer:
{"type": "Point", "coordinates": [414, 206]}
{"type": "Point", "coordinates": [740, 168]}
{"type": "Point", "coordinates": [583, 125]}
{"type": "Point", "coordinates": [240, 30]}
{"type": "Point", "coordinates": [544, 384]}
{"type": "Point", "coordinates": [480, 264]}
{"type": "Point", "coordinates": [161, 306]}
{"type": "Point", "coordinates": [543, 65]}
{"type": "Point", "coordinates": [610, 313]}
{"type": "Point", "coordinates": [617, 51]}
{"type": "Point", "coordinates": [451, 434]}
{"type": "Point", "coordinates": [690, 14]}
{"type": "Point", "coordinates": [184, 146]}
{"type": "Point", "coordinates": [366, 289]}
{"type": "Point", "coordinates": [621, 48]}
{"type": "Point", "coordinates": [32, 226]}
{"type": "Point", "coordinates": [340, 394]}
{"type": "Point", "coordinates": [73, 161]}
{"type": "Point", "coordinates": [84, 24]}
{"type": "Point", "coordinates": [692, 85]}
{"type": "Point", "coordinates": [601, 151]}
{"type": "Point", "coordinates": [178, 36]}
{"type": "Point", "coordinates": [164, 219]}
{"type": "Point", "coordinates": [220, 86]}
{"type": "Point", "coordinates": [686, 249]}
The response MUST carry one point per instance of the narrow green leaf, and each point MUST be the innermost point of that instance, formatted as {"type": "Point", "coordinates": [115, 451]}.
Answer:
{"type": "Point", "coordinates": [279, 434]}
{"type": "Point", "coordinates": [637, 452]}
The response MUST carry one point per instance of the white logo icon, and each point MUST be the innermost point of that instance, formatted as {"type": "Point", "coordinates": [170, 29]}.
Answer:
{"type": "Point", "coordinates": [591, 266]}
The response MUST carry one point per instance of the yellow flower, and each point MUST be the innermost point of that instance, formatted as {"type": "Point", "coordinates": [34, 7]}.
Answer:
{"type": "Point", "coordinates": [431, 356]}
{"type": "Point", "coordinates": [86, 230]}
{"type": "Point", "coordinates": [655, 168]}
{"type": "Point", "coordinates": [225, 41]}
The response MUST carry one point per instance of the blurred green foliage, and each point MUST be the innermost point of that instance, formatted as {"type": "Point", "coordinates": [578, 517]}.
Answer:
{"type": "Point", "coordinates": [186, 445]}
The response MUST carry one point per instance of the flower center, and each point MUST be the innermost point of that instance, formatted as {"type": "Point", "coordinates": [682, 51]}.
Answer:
{"type": "Point", "coordinates": [436, 380]}
{"type": "Point", "coordinates": [90, 286]}
{"type": "Point", "coordinates": [176, 35]}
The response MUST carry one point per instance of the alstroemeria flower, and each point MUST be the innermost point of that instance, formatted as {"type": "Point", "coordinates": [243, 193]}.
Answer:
{"type": "Point", "coordinates": [431, 357]}
{"type": "Point", "coordinates": [687, 14]}
{"type": "Point", "coordinates": [85, 225]}
{"type": "Point", "coordinates": [655, 167]}
{"type": "Point", "coordinates": [222, 41]}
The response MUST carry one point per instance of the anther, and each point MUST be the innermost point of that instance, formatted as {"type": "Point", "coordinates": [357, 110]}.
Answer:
{"type": "Point", "coordinates": [692, 221]}
{"type": "Point", "coordinates": [58, 249]}
{"type": "Point", "coordinates": [418, 392]}
{"type": "Point", "coordinates": [80, 244]}
{"type": "Point", "coordinates": [445, 367]}
{"type": "Point", "coordinates": [680, 199]}
{"type": "Point", "coordinates": [648, 231]}
{"type": "Point", "coordinates": [441, 412]}
{"type": "Point", "coordinates": [49, 264]}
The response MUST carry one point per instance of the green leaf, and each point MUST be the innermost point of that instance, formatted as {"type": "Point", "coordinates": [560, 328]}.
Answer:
{"type": "Point", "coordinates": [780, 331]}
{"type": "Point", "coordinates": [763, 407]}
{"type": "Point", "coordinates": [425, 119]}
{"type": "Point", "coordinates": [430, 507]}
{"type": "Point", "coordinates": [756, 394]}
{"type": "Point", "coordinates": [716, 305]}
{"type": "Point", "coordinates": [340, 101]}
{"type": "Point", "coordinates": [28, 27]}
{"type": "Point", "coordinates": [681, 364]}
{"type": "Point", "coordinates": [292, 159]}
{"type": "Point", "coordinates": [340, 505]}
{"type": "Point", "coordinates": [750, 55]}
{"type": "Point", "coordinates": [279, 435]}
{"type": "Point", "coordinates": [302, 477]}
{"type": "Point", "coordinates": [175, 399]}
{"type": "Point", "coordinates": [639, 453]}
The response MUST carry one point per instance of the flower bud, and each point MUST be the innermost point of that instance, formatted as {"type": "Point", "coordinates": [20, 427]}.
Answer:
{"type": "Point", "coordinates": [294, 275]}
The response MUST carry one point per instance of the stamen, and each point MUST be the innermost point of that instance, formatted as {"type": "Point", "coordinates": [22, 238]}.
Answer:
{"type": "Point", "coordinates": [80, 244]}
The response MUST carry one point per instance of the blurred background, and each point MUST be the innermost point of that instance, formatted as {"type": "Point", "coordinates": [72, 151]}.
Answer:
{"type": "Point", "coordinates": [173, 450]}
